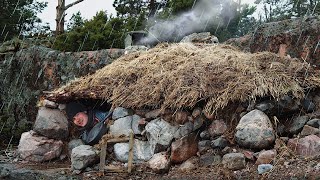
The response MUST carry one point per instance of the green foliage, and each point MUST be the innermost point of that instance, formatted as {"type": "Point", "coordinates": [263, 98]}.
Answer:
{"type": "Point", "coordinates": [75, 21]}
{"type": "Point", "coordinates": [19, 17]}
{"type": "Point", "coordinates": [101, 32]}
{"type": "Point", "coordinates": [276, 10]}
{"type": "Point", "coordinates": [179, 6]}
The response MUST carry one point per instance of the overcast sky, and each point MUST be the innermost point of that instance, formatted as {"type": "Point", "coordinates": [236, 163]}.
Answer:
{"type": "Point", "coordinates": [88, 9]}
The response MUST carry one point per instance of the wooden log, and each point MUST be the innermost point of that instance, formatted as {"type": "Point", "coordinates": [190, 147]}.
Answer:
{"type": "Point", "coordinates": [118, 140]}
{"type": "Point", "coordinates": [114, 169]}
{"type": "Point", "coordinates": [103, 155]}
{"type": "Point", "coordinates": [130, 158]}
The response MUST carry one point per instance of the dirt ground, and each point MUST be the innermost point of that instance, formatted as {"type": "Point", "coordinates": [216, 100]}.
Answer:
{"type": "Point", "coordinates": [285, 168]}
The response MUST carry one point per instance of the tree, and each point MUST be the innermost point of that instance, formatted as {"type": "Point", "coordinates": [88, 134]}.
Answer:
{"type": "Point", "coordinates": [18, 17]}
{"type": "Point", "coordinates": [61, 8]}
{"type": "Point", "coordinates": [75, 21]}
{"type": "Point", "coordinates": [101, 32]}
{"type": "Point", "coordinates": [276, 10]}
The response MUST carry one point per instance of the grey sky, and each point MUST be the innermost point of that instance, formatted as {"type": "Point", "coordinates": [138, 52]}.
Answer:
{"type": "Point", "coordinates": [88, 9]}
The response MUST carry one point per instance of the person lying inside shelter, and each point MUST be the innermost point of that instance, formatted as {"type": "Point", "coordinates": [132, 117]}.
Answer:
{"type": "Point", "coordinates": [93, 122]}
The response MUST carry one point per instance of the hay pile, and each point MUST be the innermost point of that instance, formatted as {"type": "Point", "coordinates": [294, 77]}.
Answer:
{"type": "Point", "coordinates": [180, 75]}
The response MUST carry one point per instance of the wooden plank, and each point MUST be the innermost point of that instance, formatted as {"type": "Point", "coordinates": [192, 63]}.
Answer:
{"type": "Point", "coordinates": [130, 158]}
{"type": "Point", "coordinates": [118, 140]}
{"type": "Point", "coordinates": [103, 155]}
{"type": "Point", "coordinates": [115, 169]}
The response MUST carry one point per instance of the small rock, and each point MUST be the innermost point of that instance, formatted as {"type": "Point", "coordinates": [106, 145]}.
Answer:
{"type": "Point", "coordinates": [181, 117]}
{"type": "Point", "coordinates": [226, 150]}
{"type": "Point", "coordinates": [76, 172]}
{"type": "Point", "coordinates": [204, 146]}
{"type": "Point", "coordinates": [189, 165]}
{"type": "Point", "coordinates": [297, 124]}
{"type": "Point", "coordinates": [120, 112]}
{"type": "Point", "coordinates": [217, 128]}
{"type": "Point", "coordinates": [265, 106]}
{"type": "Point", "coordinates": [220, 142]}
{"type": "Point", "coordinates": [83, 156]}
{"type": "Point", "coordinates": [255, 130]}
{"type": "Point", "coordinates": [314, 123]}
{"type": "Point", "coordinates": [184, 130]}
{"type": "Point", "coordinates": [205, 135]}
{"type": "Point", "coordinates": [160, 162]}
{"type": "Point", "coordinates": [153, 114]}
{"type": "Point", "coordinates": [210, 159]}
{"type": "Point", "coordinates": [309, 130]}
{"type": "Point", "coordinates": [198, 122]}
{"type": "Point", "coordinates": [196, 112]}
{"type": "Point", "coordinates": [263, 168]}
{"type": "Point", "coordinates": [51, 123]}
{"type": "Point", "coordinates": [287, 104]}
{"type": "Point", "coordinates": [184, 148]}
{"type": "Point", "coordinates": [307, 146]}
{"type": "Point", "coordinates": [249, 155]}
{"type": "Point", "coordinates": [234, 161]}
{"type": "Point", "coordinates": [266, 157]}
{"type": "Point", "coordinates": [308, 105]}
{"type": "Point", "coordinates": [62, 107]}
{"type": "Point", "coordinates": [49, 104]}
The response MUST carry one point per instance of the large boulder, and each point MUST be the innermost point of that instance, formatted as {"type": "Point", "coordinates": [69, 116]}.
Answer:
{"type": "Point", "coordinates": [142, 151]}
{"type": "Point", "coordinates": [255, 130]}
{"type": "Point", "coordinates": [121, 126]}
{"type": "Point", "coordinates": [160, 133]}
{"type": "Point", "coordinates": [203, 37]}
{"type": "Point", "coordinates": [307, 146]}
{"type": "Point", "coordinates": [51, 123]}
{"type": "Point", "coordinates": [74, 143]}
{"type": "Point", "coordinates": [184, 148]}
{"type": "Point", "coordinates": [33, 147]}
{"type": "Point", "coordinates": [82, 156]}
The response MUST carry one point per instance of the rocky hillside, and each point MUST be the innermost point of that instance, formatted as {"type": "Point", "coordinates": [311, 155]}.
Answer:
{"type": "Point", "coordinates": [27, 70]}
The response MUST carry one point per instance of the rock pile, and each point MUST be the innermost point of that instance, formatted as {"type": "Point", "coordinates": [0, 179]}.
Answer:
{"type": "Point", "coordinates": [192, 140]}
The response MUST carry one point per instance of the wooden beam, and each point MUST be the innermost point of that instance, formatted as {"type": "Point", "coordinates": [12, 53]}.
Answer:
{"type": "Point", "coordinates": [103, 154]}
{"type": "Point", "coordinates": [130, 158]}
{"type": "Point", "coordinates": [118, 140]}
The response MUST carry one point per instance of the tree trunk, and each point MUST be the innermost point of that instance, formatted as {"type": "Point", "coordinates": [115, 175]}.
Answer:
{"type": "Point", "coordinates": [61, 8]}
{"type": "Point", "coordinates": [60, 17]}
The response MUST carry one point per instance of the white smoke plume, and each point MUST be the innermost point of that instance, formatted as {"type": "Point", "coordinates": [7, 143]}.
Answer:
{"type": "Point", "coordinates": [204, 14]}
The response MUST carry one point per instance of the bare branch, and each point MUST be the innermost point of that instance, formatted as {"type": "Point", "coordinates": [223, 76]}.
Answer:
{"type": "Point", "coordinates": [72, 4]}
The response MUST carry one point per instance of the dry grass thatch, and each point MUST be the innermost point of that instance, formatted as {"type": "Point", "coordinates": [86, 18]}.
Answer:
{"type": "Point", "coordinates": [180, 75]}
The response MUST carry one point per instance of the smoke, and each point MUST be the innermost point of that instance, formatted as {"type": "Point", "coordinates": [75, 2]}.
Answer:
{"type": "Point", "coordinates": [205, 13]}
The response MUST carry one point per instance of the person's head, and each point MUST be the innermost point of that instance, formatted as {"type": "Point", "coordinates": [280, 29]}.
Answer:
{"type": "Point", "coordinates": [80, 119]}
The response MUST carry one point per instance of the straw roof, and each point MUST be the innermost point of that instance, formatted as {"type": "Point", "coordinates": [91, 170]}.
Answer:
{"type": "Point", "coordinates": [179, 76]}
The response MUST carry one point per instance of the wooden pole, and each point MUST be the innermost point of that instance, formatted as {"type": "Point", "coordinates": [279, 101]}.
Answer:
{"type": "Point", "coordinates": [130, 158]}
{"type": "Point", "coordinates": [103, 155]}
